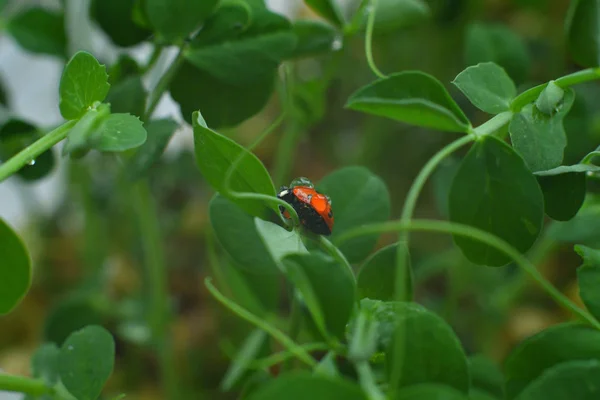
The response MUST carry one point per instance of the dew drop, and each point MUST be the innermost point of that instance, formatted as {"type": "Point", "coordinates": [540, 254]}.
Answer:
{"type": "Point", "coordinates": [31, 162]}
{"type": "Point", "coordinates": [337, 43]}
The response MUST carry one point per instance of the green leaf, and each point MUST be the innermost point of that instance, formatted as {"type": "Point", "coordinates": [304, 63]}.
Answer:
{"type": "Point", "coordinates": [115, 18]}
{"type": "Point", "coordinates": [583, 32]}
{"type": "Point", "coordinates": [86, 361]}
{"type": "Point", "coordinates": [567, 169]}
{"type": "Point", "coordinates": [588, 276]}
{"type": "Point", "coordinates": [584, 228]}
{"type": "Point", "coordinates": [358, 197]}
{"type": "Point", "coordinates": [327, 9]}
{"type": "Point", "coordinates": [215, 154]}
{"type": "Point", "coordinates": [499, 44]}
{"type": "Point", "coordinates": [16, 135]}
{"type": "Point", "coordinates": [159, 133]}
{"type": "Point", "coordinates": [570, 380]}
{"type": "Point", "coordinates": [84, 82]}
{"type": "Point", "coordinates": [128, 96]}
{"type": "Point", "coordinates": [326, 287]}
{"type": "Point", "coordinates": [494, 190]}
{"type": "Point", "coordinates": [442, 182]}
{"type": "Point", "coordinates": [563, 194]}
{"type": "Point", "coordinates": [177, 19]}
{"type": "Point", "coordinates": [15, 269]}
{"type": "Point", "coordinates": [279, 241]}
{"type": "Point", "coordinates": [486, 376]}
{"type": "Point", "coordinates": [120, 132]}
{"type": "Point", "coordinates": [313, 38]}
{"type": "Point", "coordinates": [551, 97]}
{"type": "Point", "coordinates": [240, 237]}
{"type": "Point", "coordinates": [412, 97]}
{"type": "Point", "coordinates": [253, 55]}
{"type": "Point", "coordinates": [540, 139]}
{"type": "Point", "coordinates": [44, 363]}
{"type": "Point", "coordinates": [327, 366]}
{"type": "Point", "coordinates": [432, 352]}
{"type": "Point", "coordinates": [553, 346]}
{"type": "Point", "coordinates": [227, 106]}
{"type": "Point", "coordinates": [86, 131]}
{"type": "Point", "coordinates": [392, 15]}
{"type": "Point", "coordinates": [302, 385]}
{"type": "Point", "coordinates": [40, 31]}
{"type": "Point", "coordinates": [430, 391]}
{"type": "Point", "coordinates": [69, 315]}
{"type": "Point", "coordinates": [247, 353]}
{"type": "Point", "coordinates": [377, 277]}
{"type": "Point", "coordinates": [487, 86]}
{"type": "Point", "coordinates": [229, 20]}
{"type": "Point", "coordinates": [125, 67]}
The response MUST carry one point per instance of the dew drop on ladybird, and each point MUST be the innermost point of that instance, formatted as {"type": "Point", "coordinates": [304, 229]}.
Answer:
{"type": "Point", "coordinates": [302, 181]}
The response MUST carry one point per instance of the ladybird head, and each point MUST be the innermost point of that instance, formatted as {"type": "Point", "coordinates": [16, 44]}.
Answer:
{"type": "Point", "coordinates": [283, 192]}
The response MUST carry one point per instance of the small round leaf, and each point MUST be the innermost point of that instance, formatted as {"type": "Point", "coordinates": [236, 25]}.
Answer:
{"type": "Point", "coordinates": [15, 269]}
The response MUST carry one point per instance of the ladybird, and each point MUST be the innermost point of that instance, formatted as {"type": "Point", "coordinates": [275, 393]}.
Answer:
{"type": "Point", "coordinates": [313, 208]}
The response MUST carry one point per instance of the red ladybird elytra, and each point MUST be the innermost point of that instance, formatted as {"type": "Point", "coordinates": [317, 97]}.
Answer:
{"type": "Point", "coordinates": [313, 208]}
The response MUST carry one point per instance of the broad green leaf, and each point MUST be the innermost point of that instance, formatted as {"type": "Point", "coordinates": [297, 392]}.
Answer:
{"type": "Point", "coordinates": [442, 182]}
{"type": "Point", "coordinates": [584, 228]}
{"type": "Point", "coordinates": [128, 96]}
{"type": "Point", "coordinates": [499, 44]}
{"type": "Point", "coordinates": [327, 288]}
{"type": "Point", "coordinates": [430, 391]}
{"type": "Point", "coordinates": [177, 19]}
{"type": "Point", "coordinates": [486, 376]}
{"type": "Point", "coordinates": [392, 15]}
{"type": "Point", "coordinates": [247, 353]}
{"type": "Point", "coordinates": [302, 385]}
{"type": "Point", "coordinates": [16, 135]}
{"type": "Point", "coordinates": [358, 197]}
{"type": "Point", "coordinates": [86, 361]}
{"type": "Point", "coordinates": [69, 315]}
{"type": "Point", "coordinates": [44, 363]}
{"type": "Point", "coordinates": [120, 132]}
{"type": "Point", "coordinates": [229, 20]}
{"type": "Point", "coordinates": [494, 190]}
{"type": "Point", "coordinates": [540, 139]}
{"type": "Point", "coordinates": [327, 9]}
{"type": "Point", "coordinates": [412, 97]}
{"type": "Point", "coordinates": [240, 237]}
{"type": "Point", "coordinates": [115, 18]}
{"type": "Point", "coordinates": [215, 154]}
{"type": "Point", "coordinates": [583, 32]}
{"type": "Point", "coordinates": [279, 241]}
{"type": "Point", "coordinates": [159, 134]}
{"type": "Point", "coordinates": [552, 346]}
{"type": "Point", "coordinates": [313, 38]}
{"type": "Point", "coordinates": [40, 31]}
{"type": "Point", "coordinates": [431, 353]}
{"type": "Point", "coordinates": [84, 82]}
{"type": "Point", "coordinates": [227, 106]}
{"type": "Point", "coordinates": [563, 194]}
{"type": "Point", "coordinates": [86, 132]}
{"type": "Point", "coordinates": [570, 380]}
{"type": "Point", "coordinates": [253, 55]}
{"type": "Point", "coordinates": [588, 276]}
{"type": "Point", "coordinates": [15, 269]}
{"type": "Point", "coordinates": [487, 86]}
{"type": "Point", "coordinates": [551, 97]}
{"type": "Point", "coordinates": [377, 277]}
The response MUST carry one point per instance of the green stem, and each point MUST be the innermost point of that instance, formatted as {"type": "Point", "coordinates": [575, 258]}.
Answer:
{"type": "Point", "coordinates": [278, 335]}
{"type": "Point", "coordinates": [155, 268]}
{"type": "Point", "coordinates": [285, 355]}
{"type": "Point", "coordinates": [22, 384]}
{"type": "Point", "coordinates": [163, 83]}
{"type": "Point", "coordinates": [369, 40]}
{"type": "Point", "coordinates": [367, 381]}
{"type": "Point", "coordinates": [154, 57]}
{"type": "Point", "coordinates": [575, 78]}
{"type": "Point", "coordinates": [480, 236]}
{"type": "Point", "coordinates": [30, 153]}
{"type": "Point", "coordinates": [337, 254]}
{"type": "Point", "coordinates": [494, 124]}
